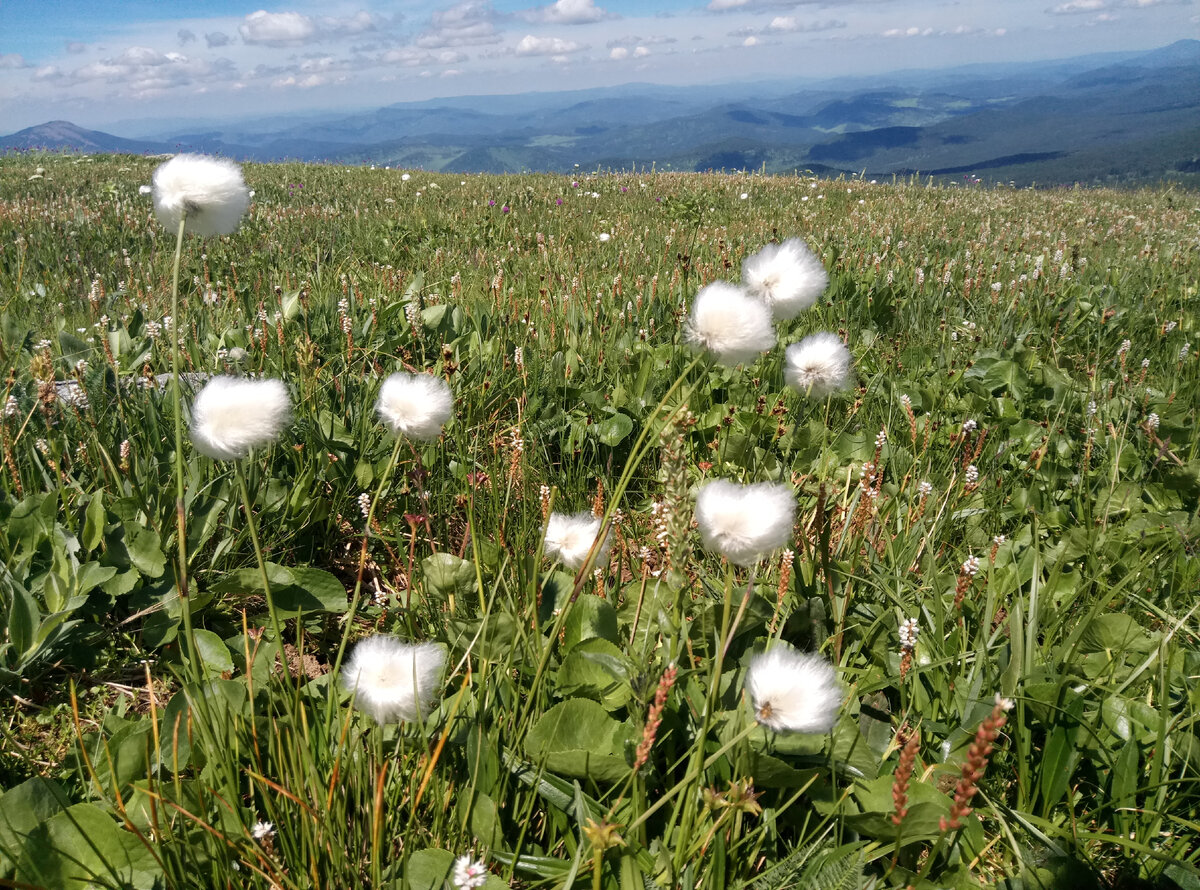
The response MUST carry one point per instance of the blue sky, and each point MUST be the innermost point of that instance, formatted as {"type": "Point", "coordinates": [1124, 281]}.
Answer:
{"type": "Point", "coordinates": [98, 63]}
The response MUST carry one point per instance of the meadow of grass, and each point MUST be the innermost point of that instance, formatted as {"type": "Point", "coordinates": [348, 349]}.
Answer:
{"type": "Point", "coordinates": [1016, 470]}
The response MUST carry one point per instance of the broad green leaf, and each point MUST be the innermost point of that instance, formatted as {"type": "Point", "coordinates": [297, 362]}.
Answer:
{"type": "Point", "coordinates": [577, 738]}
{"type": "Point", "coordinates": [613, 429]}
{"type": "Point", "coordinates": [590, 616]}
{"type": "Point", "coordinates": [23, 808]}
{"type": "Point", "coordinates": [447, 575]}
{"type": "Point", "coordinates": [82, 845]}
{"type": "Point", "coordinates": [216, 655]}
{"type": "Point", "coordinates": [598, 670]}
{"type": "Point", "coordinates": [94, 519]}
{"type": "Point", "coordinates": [145, 551]}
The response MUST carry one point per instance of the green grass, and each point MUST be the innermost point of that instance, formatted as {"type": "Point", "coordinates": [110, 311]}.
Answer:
{"type": "Point", "coordinates": [570, 371]}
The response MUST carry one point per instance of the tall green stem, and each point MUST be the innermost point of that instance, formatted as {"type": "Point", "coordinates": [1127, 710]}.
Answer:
{"type": "Point", "coordinates": [192, 653]}
{"type": "Point", "coordinates": [240, 474]}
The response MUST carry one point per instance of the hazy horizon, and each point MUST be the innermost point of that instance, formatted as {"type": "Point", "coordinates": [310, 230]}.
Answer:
{"type": "Point", "coordinates": [100, 64]}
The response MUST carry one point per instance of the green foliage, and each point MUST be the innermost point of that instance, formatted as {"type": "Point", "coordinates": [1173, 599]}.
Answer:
{"type": "Point", "coordinates": [1046, 548]}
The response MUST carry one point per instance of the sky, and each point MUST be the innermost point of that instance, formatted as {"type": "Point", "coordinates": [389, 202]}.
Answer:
{"type": "Point", "coordinates": [103, 64]}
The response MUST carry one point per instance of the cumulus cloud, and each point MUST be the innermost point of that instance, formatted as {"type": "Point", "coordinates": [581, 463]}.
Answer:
{"type": "Point", "coordinates": [294, 28]}
{"type": "Point", "coordinates": [566, 12]}
{"type": "Point", "coordinates": [214, 39]}
{"type": "Point", "coordinates": [633, 40]}
{"type": "Point", "coordinates": [958, 31]}
{"type": "Point", "coordinates": [618, 53]}
{"type": "Point", "coordinates": [546, 46]}
{"type": "Point", "coordinates": [468, 24]}
{"type": "Point", "coordinates": [12, 60]}
{"type": "Point", "coordinates": [142, 72]}
{"type": "Point", "coordinates": [412, 57]}
{"type": "Point", "coordinates": [1079, 7]}
{"type": "Point", "coordinates": [789, 23]}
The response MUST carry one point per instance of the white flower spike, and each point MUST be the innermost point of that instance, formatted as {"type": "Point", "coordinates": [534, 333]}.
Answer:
{"type": "Point", "coordinates": [468, 873]}
{"type": "Point", "coordinates": [818, 366]}
{"type": "Point", "coordinates": [416, 406]}
{"type": "Point", "coordinates": [210, 191]}
{"type": "Point", "coordinates": [394, 680]}
{"type": "Point", "coordinates": [730, 324]}
{"type": "Point", "coordinates": [788, 277]}
{"type": "Point", "coordinates": [744, 522]}
{"type": "Point", "coordinates": [231, 415]}
{"type": "Point", "coordinates": [792, 691]}
{"type": "Point", "coordinates": [569, 539]}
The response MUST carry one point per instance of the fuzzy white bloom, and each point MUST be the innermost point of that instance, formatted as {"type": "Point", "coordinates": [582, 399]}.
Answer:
{"type": "Point", "coordinates": [744, 522]}
{"type": "Point", "coordinates": [468, 873]}
{"type": "Point", "coordinates": [792, 691]}
{"type": "Point", "coordinates": [730, 324]}
{"type": "Point", "coordinates": [210, 191]}
{"type": "Point", "coordinates": [231, 415]}
{"type": "Point", "coordinates": [818, 366]}
{"type": "Point", "coordinates": [394, 680]}
{"type": "Point", "coordinates": [569, 538]}
{"type": "Point", "coordinates": [788, 277]}
{"type": "Point", "coordinates": [909, 631]}
{"type": "Point", "coordinates": [415, 405]}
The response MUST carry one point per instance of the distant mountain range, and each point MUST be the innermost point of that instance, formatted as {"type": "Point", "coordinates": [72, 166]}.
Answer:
{"type": "Point", "coordinates": [1109, 118]}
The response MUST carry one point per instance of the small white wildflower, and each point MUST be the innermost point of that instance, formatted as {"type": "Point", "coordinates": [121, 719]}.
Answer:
{"type": "Point", "coordinates": [971, 566]}
{"type": "Point", "coordinates": [925, 489]}
{"type": "Point", "coordinates": [12, 407]}
{"type": "Point", "coordinates": [1152, 421]}
{"type": "Point", "coordinates": [364, 504]}
{"type": "Point", "coordinates": [1184, 350]}
{"type": "Point", "coordinates": [468, 873]}
{"type": "Point", "coordinates": [969, 426]}
{"type": "Point", "coordinates": [972, 474]}
{"type": "Point", "coordinates": [261, 830]}
{"type": "Point", "coordinates": [909, 629]}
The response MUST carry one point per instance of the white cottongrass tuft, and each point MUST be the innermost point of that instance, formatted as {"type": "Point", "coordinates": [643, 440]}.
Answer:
{"type": "Point", "coordinates": [730, 324]}
{"type": "Point", "coordinates": [745, 522]}
{"type": "Point", "coordinates": [818, 366]}
{"type": "Point", "coordinates": [415, 405]}
{"type": "Point", "coordinates": [569, 539]}
{"type": "Point", "coordinates": [468, 873]}
{"type": "Point", "coordinates": [788, 277]}
{"type": "Point", "coordinates": [210, 191]}
{"type": "Point", "coordinates": [792, 691]}
{"type": "Point", "coordinates": [231, 415]}
{"type": "Point", "coordinates": [394, 680]}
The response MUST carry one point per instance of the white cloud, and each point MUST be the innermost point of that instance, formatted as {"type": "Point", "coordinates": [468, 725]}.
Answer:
{"type": "Point", "coordinates": [640, 52]}
{"type": "Point", "coordinates": [546, 46]}
{"type": "Point", "coordinates": [467, 24]}
{"type": "Point", "coordinates": [12, 60]}
{"type": "Point", "coordinates": [566, 12]}
{"type": "Point", "coordinates": [185, 36]}
{"type": "Point", "coordinates": [75, 47]}
{"type": "Point", "coordinates": [790, 23]}
{"type": "Point", "coordinates": [1077, 6]}
{"type": "Point", "coordinates": [294, 28]}
{"type": "Point", "coordinates": [750, 41]}
{"type": "Point", "coordinates": [412, 57]}
{"type": "Point", "coordinates": [213, 39]}
{"type": "Point", "coordinates": [619, 53]}
{"type": "Point", "coordinates": [722, 5]}
{"type": "Point", "coordinates": [141, 72]}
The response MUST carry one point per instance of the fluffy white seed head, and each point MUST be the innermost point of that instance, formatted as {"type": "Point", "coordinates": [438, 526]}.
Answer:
{"type": "Point", "coordinates": [730, 324]}
{"type": "Point", "coordinates": [209, 190]}
{"type": "Point", "coordinates": [393, 680]}
{"type": "Point", "coordinates": [231, 415]}
{"type": "Point", "coordinates": [818, 366]}
{"type": "Point", "coordinates": [792, 691]}
{"type": "Point", "coordinates": [415, 405]}
{"type": "Point", "coordinates": [569, 539]}
{"type": "Point", "coordinates": [744, 522]}
{"type": "Point", "coordinates": [788, 277]}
